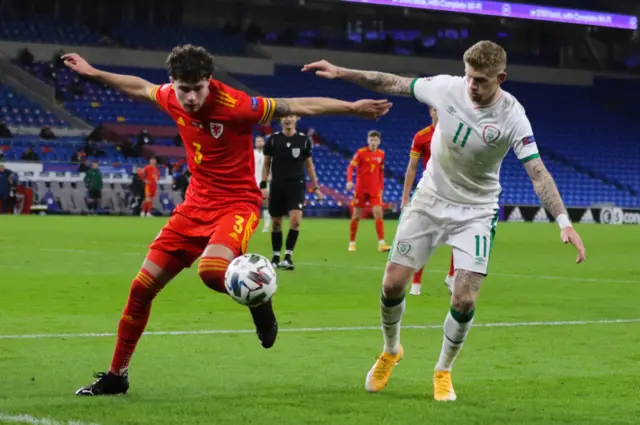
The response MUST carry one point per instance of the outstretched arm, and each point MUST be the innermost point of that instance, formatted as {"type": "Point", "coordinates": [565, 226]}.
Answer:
{"type": "Point", "coordinates": [380, 82]}
{"type": "Point", "coordinates": [133, 86]}
{"type": "Point", "coordinates": [314, 106]}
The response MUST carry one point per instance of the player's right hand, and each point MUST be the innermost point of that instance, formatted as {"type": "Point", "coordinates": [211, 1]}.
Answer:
{"type": "Point", "coordinates": [371, 109]}
{"type": "Point", "coordinates": [265, 193]}
{"type": "Point", "coordinates": [323, 69]}
{"type": "Point", "coordinates": [569, 235]}
{"type": "Point", "coordinates": [78, 64]}
{"type": "Point", "coordinates": [349, 186]}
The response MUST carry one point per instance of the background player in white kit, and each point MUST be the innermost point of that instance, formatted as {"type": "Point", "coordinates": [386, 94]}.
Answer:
{"type": "Point", "coordinates": [456, 202]}
{"type": "Point", "coordinates": [258, 156]}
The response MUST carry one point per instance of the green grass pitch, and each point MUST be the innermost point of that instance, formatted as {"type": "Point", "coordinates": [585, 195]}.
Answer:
{"type": "Point", "coordinates": [565, 348]}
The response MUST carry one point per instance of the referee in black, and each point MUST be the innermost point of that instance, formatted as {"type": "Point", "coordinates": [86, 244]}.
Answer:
{"type": "Point", "coordinates": [286, 155]}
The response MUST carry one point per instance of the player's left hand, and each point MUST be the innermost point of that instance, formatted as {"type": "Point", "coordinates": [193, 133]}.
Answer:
{"type": "Point", "coordinates": [569, 235]}
{"type": "Point", "coordinates": [371, 109]}
{"type": "Point", "coordinates": [319, 195]}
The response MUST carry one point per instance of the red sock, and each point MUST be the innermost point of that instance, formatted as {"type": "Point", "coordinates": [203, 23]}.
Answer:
{"type": "Point", "coordinates": [354, 229]}
{"type": "Point", "coordinates": [134, 319]}
{"type": "Point", "coordinates": [452, 269]}
{"type": "Point", "coordinates": [380, 229]}
{"type": "Point", "coordinates": [212, 270]}
{"type": "Point", "coordinates": [146, 206]}
{"type": "Point", "coordinates": [417, 276]}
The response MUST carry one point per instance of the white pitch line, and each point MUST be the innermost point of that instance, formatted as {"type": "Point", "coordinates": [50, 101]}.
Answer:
{"type": "Point", "coordinates": [327, 329]}
{"type": "Point", "coordinates": [28, 419]}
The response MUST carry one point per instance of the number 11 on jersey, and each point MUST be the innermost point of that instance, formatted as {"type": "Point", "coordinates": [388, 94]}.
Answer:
{"type": "Point", "coordinates": [466, 135]}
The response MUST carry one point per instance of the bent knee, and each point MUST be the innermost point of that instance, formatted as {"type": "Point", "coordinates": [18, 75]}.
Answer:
{"type": "Point", "coordinates": [395, 280]}
{"type": "Point", "coordinates": [463, 303]}
{"type": "Point", "coordinates": [212, 275]}
{"type": "Point", "coordinates": [276, 225]}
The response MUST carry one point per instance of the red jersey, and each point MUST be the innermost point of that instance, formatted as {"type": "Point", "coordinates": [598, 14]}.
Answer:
{"type": "Point", "coordinates": [421, 146]}
{"type": "Point", "coordinates": [219, 143]}
{"type": "Point", "coordinates": [369, 168]}
{"type": "Point", "coordinates": [150, 175]}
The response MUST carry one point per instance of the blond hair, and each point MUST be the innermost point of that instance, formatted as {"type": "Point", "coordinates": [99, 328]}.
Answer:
{"type": "Point", "coordinates": [487, 56]}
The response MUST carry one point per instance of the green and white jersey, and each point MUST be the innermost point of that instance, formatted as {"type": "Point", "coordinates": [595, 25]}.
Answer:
{"type": "Point", "coordinates": [470, 142]}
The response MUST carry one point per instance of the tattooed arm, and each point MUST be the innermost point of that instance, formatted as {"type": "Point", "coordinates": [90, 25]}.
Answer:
{"type": "Point", "coordinates": [380, 82]}
{"type": "Point", "coordinates": [545, 187]}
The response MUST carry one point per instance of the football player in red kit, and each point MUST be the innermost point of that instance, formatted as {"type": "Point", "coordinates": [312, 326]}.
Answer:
{"type": "Point", "coordinates": [150, 176]}
{"type": "Point", "coordinates": [369, 165]}
{"type": "Point", "coordinates": [222, 205]}
{"type": "Point", "coordinates": [421, 148]}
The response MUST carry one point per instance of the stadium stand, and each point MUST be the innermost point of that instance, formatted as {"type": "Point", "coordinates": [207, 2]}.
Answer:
{"type": "Point", "coordinates": [18, 110]}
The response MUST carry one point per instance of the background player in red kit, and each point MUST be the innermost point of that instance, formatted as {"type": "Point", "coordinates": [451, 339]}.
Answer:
{"type": "Point", "coordinates": [369, 165]}
{"type": "Point", "coordinates": [150, 176]}
{"type": "Point", "coordinates": [421, 148]}
{"type": "Point", "coordinates": [222, 204]}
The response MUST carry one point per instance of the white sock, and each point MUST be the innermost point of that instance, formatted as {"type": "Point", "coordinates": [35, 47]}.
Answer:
{"type": "Point", "coordinates": [415, 287]}
{"type": "Point", "coordinates": [391, 317]}
{"type": "Point", "coordinates": [381, 242]}
{"type": "Point", "coordinates": [454, 335]}
{"type": "Point", "coordinates": [267, 218]}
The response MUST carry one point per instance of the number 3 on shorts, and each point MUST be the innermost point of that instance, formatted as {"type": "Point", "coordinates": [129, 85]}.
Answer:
{"type": "Point", "coordinates": [239, 224]}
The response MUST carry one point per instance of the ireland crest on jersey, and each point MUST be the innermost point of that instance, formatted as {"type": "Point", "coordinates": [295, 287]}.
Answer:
{"type": "Point", "coordinates": [490, 134]}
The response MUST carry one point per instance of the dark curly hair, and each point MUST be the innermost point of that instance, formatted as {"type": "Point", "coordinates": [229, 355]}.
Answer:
{"type": "Point", "coordinates": [190, 64]}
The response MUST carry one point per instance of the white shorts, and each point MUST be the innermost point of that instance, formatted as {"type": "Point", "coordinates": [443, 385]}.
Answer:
{"type": "Point", "coordinates": [429, 222]}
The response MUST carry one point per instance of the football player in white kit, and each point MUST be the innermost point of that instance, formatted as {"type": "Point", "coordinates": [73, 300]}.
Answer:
{"type": "Point", "coordinates": [456, 203]}
{"type": "Point", "coordinates": [258, 156]}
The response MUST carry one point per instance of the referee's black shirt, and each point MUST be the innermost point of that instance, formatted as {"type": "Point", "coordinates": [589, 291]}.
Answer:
{"type": "Point", "coordinates": [288, 154]}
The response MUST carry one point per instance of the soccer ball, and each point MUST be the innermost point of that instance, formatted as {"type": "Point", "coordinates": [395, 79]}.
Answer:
{"type": "Point", "coordinates": [251, 280]}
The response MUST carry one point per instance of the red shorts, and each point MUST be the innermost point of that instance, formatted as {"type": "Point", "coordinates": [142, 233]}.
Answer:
{"type": "Point", "coordinates": [360, 199]}
{"type": "Point", "coordinates": [150, 190]}
{"type": "Point", "coordinates": [190, 230]}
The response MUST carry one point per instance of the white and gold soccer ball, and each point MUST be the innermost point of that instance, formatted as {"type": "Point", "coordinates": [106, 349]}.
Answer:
{"type": "Point", "coordinates": [251, 280]}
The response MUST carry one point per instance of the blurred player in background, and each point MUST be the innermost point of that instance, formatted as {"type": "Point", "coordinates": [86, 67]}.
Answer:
{"type": "Point", "coordinates": [369, 165]}
{"type": "Point", "coordinates": [222, 206]}
{"type": "Point", "coordinates": [421, 148]}
{"type": "Point", "coordinates": [258, 155]}
{"type": "Point", "coordinates": [150, 175]}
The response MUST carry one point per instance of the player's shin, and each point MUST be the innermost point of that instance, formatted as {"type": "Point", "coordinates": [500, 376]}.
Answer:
{"type": "Point", "coordinates": [380, 230]}
{"type": "Point", "coordinates": [212, 270]}
{"type": "Point", "coordinates": [353, 230]}
{"type": "Point", "coordinates": [292, 238]}
{"type": "Point", "coordinates": [456, 328]}
{"type": "Point", "coordinates": [392, 305]}
{"type": "Point", "coordinates": [276, 241]}
{"type": "Point", "coordinates": [144, 289]}
{"type": "Point", "coordinates": [416, 284]}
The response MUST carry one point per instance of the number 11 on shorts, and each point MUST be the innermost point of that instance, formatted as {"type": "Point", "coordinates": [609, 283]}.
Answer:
{"type": "Point", "coordinates": [481, 242]}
